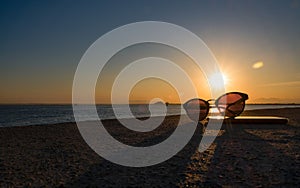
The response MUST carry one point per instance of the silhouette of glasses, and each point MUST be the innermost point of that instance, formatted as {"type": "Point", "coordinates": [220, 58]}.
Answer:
{"type": "Point", "coordinates": [231, 104]}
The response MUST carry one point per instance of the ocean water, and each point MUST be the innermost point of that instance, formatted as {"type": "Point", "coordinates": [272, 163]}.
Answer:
{"type": "Point", "coordinates": [22, 115]}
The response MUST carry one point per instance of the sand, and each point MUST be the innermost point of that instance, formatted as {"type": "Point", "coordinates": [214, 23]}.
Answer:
{"type": "Point", "coordinates": [57, 156]}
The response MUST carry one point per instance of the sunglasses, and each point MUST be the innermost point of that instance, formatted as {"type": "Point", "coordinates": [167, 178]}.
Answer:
{"type": "Point", "coordinates": [230, 105]}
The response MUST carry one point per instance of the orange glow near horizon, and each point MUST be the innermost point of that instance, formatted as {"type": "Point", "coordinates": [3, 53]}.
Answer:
{"type": "Point", "coordinates": [144, 92]}
{"type": "Point", "coordinates": [245, 79]}
{"type": "Point", "coordinates": [263, 84]}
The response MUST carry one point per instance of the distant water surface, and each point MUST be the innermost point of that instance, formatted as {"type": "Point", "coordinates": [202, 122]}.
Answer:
{"type": "Point", "coordinates": [22, 115]}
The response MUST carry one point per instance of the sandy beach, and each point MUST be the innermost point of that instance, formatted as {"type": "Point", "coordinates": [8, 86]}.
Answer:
{"type": "Point", "coordinates": [57, 156]}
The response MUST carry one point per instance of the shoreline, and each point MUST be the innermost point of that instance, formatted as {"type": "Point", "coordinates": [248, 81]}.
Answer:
{"type": "Point", "coordinates": [255, 112]}
{"type": "Point", "coordinates": [56, 155]}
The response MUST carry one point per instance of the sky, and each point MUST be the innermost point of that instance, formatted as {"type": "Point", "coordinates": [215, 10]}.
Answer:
{"type": "Point", "coordinates": [256, 43]}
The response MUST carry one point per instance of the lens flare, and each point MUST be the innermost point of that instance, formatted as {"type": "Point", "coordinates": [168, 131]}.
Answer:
{"type": "Point", "coordinates": [258, 65]}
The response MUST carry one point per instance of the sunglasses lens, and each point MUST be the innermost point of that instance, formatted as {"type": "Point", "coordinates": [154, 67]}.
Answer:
{"type": "Point", "coordinates": [231, 104]}
{"type": "Point", "coordinates": [196, 109]}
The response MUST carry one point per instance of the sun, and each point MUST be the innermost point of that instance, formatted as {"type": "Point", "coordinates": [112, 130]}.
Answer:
{"type": "Point", "coordinates": [225, 79]}
{"type": "Point", "coordinates": [218, 80]}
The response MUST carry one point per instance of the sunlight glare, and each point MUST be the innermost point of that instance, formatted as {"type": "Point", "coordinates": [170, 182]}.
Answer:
{"type": "Point", "coordinates": [225, 79]}
{"type": "Point", "coordinates": [218, 80]}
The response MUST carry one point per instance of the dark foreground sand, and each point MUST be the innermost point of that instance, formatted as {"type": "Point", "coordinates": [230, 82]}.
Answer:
{"type": "Point", "coordinates": [57, 156]}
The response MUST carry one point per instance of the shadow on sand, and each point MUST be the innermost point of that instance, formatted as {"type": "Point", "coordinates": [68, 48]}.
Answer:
{"type": "Point", "coordinates": [168, 173]}
{"type": "Point", "coordinates": [239, 157]}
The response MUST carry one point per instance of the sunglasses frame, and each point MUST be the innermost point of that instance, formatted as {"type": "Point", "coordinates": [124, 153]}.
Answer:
{"type": "Point", "coordinates": [244, 97]}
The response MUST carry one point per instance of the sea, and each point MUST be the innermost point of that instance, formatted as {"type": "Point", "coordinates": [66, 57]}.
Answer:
{"type": "Point", "coordinates": [24, 115]}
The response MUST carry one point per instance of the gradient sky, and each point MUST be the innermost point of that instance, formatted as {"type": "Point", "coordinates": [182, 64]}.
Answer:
{"type": "Point", "coordinates": [257, 44]}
